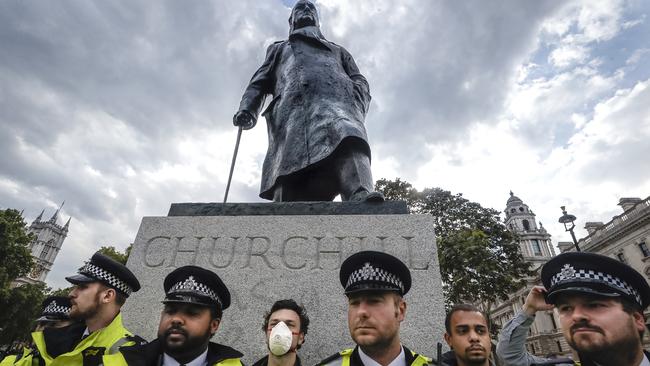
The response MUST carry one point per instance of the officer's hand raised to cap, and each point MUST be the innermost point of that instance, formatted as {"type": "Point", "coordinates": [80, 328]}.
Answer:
{"type": "Point", "coordinates": [535, 301]}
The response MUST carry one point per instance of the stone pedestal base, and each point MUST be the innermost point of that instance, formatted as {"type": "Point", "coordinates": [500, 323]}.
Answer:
{"type": "Point", "coordinates": [267, 258]}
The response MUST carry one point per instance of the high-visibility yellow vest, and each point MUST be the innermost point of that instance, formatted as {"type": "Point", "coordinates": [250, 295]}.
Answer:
{"type": "Point", "coordinates": [344, 357]}
{"type": "Point", "coordinates": [8, 361]}
{"type": "Point", "coordinates": [89, 352]}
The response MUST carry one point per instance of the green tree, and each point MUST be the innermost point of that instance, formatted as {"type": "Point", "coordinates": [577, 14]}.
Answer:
{"type": "Point", "coordinates": [115, 254]}
{"type": "Point", "coordinates": [20, 307]}
{"type": "Point", "coordinates": [398, 190]}
{"type": "Point", "coordinates": [14, 240]}
{"type": "Point", "coordinates": [480, 261]}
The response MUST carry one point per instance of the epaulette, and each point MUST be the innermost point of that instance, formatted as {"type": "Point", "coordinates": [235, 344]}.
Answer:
{"type": "Point", "coordinates": [136, 339]}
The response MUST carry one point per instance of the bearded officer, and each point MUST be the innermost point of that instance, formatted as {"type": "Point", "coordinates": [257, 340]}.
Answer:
{"type": "Point", "coordinates": [375, 284]}
{"type": "Point", "coordinates": [600, 302]}
{"type": "Point", "coordinates": [193, 306]}
{"type": "Point", "coordinates": [102, 286]}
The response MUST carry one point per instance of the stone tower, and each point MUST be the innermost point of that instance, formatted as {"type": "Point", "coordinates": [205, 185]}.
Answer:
{"type": "Point", "coordinates": [49, 237]}
{"type": "Point", "coordinates": [534, 241]}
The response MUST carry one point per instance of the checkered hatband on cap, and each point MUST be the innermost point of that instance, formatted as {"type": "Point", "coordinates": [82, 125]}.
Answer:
{"type": "Point", "coordinates": [53, 308]}
{"type": "Point", "coordinates": [191, 286]}
{"type": "Point", "coordinates": [373, 274]}
{"type": "Point", "coordinates": [570, 274]}
{"type": "Point", "coordinates": [99, 273]}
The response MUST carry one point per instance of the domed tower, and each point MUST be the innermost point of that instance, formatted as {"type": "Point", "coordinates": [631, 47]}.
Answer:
{"type": "Point", "coordinates": [48, 239]}
{"type": "Point", "coordinates": [534, 241]}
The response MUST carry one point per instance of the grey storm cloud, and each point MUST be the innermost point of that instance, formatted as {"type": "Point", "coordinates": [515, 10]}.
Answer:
{"type": "Point", "coordinates": [160, 67]}
{"type": "Point", "coordinates": [441, 68]}
{"type": "Point", "coordinates": [164, 70]}
{"type": "Point", "coordinates": [169, 70]}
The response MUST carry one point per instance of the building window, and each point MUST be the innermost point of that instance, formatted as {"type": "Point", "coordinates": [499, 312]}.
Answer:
{"type": "Point", "coordinates": [537, 249]}
{"type": "Point", "coordinates": [526, 225]}
{"type": "Point", "coordinates": [532, 348]}
{"type": "Point", "coordinates": [621, 257]}
{"type": "Point", "coordinates": [553, 321]}
{"type": "Point", "coordinates": [559, 346]}
{"type": "Point", "coordinates": [644, 249]}
{"type": "Point", "coordinates": [46, 250]}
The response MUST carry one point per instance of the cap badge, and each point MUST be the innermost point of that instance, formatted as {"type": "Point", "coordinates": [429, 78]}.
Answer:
{"type": "Point", "coordinates": [370, 273]}
{"type": "Point", "coordinates": [188, 285]}
{"type": "Point", "coordinates": [367, 271]}
{"type": "Point", "coordinates": [567, 272]}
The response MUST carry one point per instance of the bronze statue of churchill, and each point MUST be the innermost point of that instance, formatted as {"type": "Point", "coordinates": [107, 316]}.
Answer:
{"type": "Point", "coordinates": [317, 140]}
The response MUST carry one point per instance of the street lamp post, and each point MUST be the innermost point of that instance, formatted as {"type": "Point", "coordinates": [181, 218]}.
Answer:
{"type": "Point", "coordinates": [568, 221]}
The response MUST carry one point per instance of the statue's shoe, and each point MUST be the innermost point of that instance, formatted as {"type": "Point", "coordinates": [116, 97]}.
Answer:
{"type": "Point", "coordinates": [368, 197]}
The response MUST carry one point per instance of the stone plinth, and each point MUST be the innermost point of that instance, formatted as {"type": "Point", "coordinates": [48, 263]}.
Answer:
{"type": "Point", "coordinates": [266, 258]}
{"type": "Point", "coordinates": [288, 208]}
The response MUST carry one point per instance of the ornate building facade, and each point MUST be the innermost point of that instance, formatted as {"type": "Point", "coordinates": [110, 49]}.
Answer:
{"type": "Point", "coordinates": [49, 237]}
{"type": "Point", "coordinates": [535, 242]}
{"type": "Point", "coordinates": [536, 247]}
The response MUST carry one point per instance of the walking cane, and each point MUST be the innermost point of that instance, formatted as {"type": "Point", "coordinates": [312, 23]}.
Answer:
{"type": "Point", "coordinates": [232, 165]}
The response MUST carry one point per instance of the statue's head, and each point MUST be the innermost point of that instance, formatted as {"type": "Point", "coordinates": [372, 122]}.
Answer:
{"type": "Point", "coordinates": [303, 14]}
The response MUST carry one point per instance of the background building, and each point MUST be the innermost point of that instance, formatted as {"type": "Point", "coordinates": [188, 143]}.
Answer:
{"type": "Point", "coordinates": [536, 248]}
{"type": "Point", "coordinates": [49, 237]}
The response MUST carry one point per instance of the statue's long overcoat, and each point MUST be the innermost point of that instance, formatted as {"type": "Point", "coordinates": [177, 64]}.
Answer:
{"type": "Point", "coordinates": [319, 99]}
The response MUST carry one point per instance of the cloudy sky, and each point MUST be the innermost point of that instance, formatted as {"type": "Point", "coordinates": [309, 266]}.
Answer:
{"type": "Point", "coordinates": [122, 107]}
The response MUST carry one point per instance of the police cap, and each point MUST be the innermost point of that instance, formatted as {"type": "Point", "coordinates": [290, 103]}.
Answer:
{"type": "Point", "coordinates": [196, 285]}
{"type": "Point", "coordinates": [580, 272]}
{"type": "Point", "coordinates": [104, 269]}
{"type": "Point", "coordinates": [374, 271]}
{"type": "Point", "coordinates": [55, 308]}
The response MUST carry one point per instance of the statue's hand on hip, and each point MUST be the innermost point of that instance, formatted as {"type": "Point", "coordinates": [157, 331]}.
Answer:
{"type": "Point", "coordinates": [244, 119]}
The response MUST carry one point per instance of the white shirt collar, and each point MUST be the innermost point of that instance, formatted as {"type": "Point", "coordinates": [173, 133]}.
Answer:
{"type": "Point", "coordinates": [400, 360]}
{"type": "Point", "coordinates": [645, 361]}
{"type": "Point", "coordinates": [199, 361]}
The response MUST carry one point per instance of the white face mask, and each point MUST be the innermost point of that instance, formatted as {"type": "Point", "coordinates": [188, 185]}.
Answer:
{"type": "Point", "coordinates": [280, 339]}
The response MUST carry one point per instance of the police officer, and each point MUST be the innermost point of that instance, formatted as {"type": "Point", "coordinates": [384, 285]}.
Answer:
{"type": "Point", "coordinates": [375, 283]}
{"type": "Point", "coordinates": [193, 305]}
{"type": "Point", "coordinates": [600, 302]}
{"type": "Point", "coordinates": [54, 314]}
{"type": "Point", "coordinates": [102, 286]}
